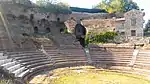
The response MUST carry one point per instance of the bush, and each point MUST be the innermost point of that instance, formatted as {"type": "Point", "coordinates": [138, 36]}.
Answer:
{"type": "Point", "coordinates": [54, 8]}
{"type": "Point", "coordinates": [104, 37]}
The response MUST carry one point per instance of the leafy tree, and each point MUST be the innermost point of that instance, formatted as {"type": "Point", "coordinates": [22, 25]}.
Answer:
{"type": "Point", "coordinates": [113, 6]}
{"type": "Point", "coordinates": [130, 5]}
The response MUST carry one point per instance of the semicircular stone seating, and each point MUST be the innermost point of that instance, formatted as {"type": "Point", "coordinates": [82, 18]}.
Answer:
{"type": "Point", "coordinates": [24, 64]}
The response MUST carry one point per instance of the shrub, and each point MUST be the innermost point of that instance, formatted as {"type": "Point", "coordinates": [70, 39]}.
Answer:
{"type": "Point", "coordinates": [104, 37]}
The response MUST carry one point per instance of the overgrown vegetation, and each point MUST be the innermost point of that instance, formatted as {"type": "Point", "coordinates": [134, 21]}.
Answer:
{"type": "Point", "coordinates": [113, 6]}
{"type": "Point", "coordinates": [47, 6]}
{"type": "Point", "coordinates": [88, 75]}
{"type": "Point", "coordinates": [104, 37]}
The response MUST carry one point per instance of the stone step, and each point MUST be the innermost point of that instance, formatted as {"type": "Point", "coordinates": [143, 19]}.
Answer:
{"type": "Point", "coordinates": [32, 59]}
{"type": "Point", "coordinates": [66, 57]}
{"type": "Point", "coordinates": [9, 64]}
{"type": "Point", "coordinates": [57, 52]}
{"type": "Point", "coordinates": [111, 57]}
{"type": "Point", "coordinates": [124, 53]}
{"type": "Point", "coordinates": [103, 52]}
{"type": "Point", "coordinates": [39, 64]}
{"type": "Point", "coordinates": [35, 61]}
{"type": "Point", "coordinates": [26, 54]}
{"type": "Point", "coordinates": [143, 55]}
{"type": "Point", "coordinates": [40, 67]}
{"type": "Point", "coordinates": [144, 52]}
{"type": "Point", "coordinates": [143, 58]}
{"type": "Point", "coordinates": [73, 62]}
{"type": "Point", "coordinates": [19, 71]}
{"type": "Point", "coordinates": [111, 49]}
{"type": "Point", "coordinates": [110, 61]}
{"type": "Point", "coordinates": [115, 60]}
{"type": "Point", "coordinates": [143, 62]}
{"type": "Point", "coordinates": [15, 67]}
{"type": "Point", "coordinates": [69, 56]}
{"type": "Point", "coordinates": [28, 57]}
{"type": "Point", "coordinates": [49, 49]}
{"type": "Point", "coordinates": [5, 61]}
{"type": "Point", "coordinates": [69, 60]}
{"type": "Point", "coordinates": [23, 73]}
{"type": "Point", "coordinates": [21, 52]}
{"type": "Point", "coordinates": [3, 57]}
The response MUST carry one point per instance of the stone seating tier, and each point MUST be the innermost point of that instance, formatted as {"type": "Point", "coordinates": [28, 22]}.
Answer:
{"type": "Point", "coordinates": [111, 55]}
{"type": "Point", "coordinates": [21, 63]}
{"type": "Point", "coordinates": [143, 59]}
{"type": "Point", "coordinates": [26, 64]}
{"type": "Point", "coordinates": [67, 55]}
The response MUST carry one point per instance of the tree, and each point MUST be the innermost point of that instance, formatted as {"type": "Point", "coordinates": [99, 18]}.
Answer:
{"type": "Point", "coordinates": [130, 5]}
{"type": "Point", "coordinates": [113, 6]}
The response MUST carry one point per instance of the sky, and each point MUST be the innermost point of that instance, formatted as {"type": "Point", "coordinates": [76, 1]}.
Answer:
{"type": "Point", "coordinates": [143, 4]}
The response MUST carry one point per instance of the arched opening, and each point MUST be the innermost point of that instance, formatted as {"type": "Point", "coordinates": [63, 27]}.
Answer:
{"type": "Point", "coordinates": [36, 29]}
{"type": "Point", "coordinates": [31, 17]}
{"type": "Point", "coordinates": [48, 30]}
{"type": "Point", "coordinates": [61, 30]}
{"type": "Point", "coordinates": [47, 16]}
{"type": "Point", "coordinates": [58, 19]}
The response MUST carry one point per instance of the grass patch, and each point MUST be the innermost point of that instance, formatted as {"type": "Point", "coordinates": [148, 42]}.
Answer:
{"type": "Point", "coordinates": [88, 75]}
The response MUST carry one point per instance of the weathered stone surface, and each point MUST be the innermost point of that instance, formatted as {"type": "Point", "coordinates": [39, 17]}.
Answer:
{"type": "Point", "coordinates": [97, 25]}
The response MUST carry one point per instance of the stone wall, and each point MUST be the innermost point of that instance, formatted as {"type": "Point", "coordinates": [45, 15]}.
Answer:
{"type": "Point", "coordinates": [52, 17]}
{"type": "Point", "coordinates": [97, 25]}
{"type": "Point", "coordinates": [134, 21]}
{"type": "Point", "coordinates": [78, 15]}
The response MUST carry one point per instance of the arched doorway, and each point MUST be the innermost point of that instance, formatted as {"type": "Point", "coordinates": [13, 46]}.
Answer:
{"type": "Point", "coordinates": [36, 29]}
{"type": "Point", "coordinates": [48, 30]}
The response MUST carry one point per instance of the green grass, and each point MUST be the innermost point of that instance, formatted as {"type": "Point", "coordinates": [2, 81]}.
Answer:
{"type": "Point", "coordinates": [88, 75]}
